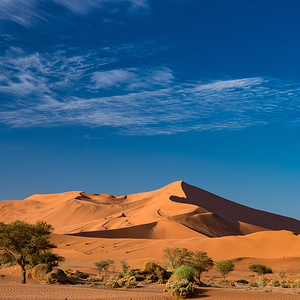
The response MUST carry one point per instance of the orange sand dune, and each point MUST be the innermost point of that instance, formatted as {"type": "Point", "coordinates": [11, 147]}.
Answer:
{"type": "Point", "coordinates": [177, 210]}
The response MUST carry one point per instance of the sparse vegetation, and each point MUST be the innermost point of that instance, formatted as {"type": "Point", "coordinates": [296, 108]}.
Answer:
{"type": "Point", "coordinates": [20, 241]}
{"type": "Point", "coordinates": [224, 267]}
{"type": "Point", "coordinates": [183, 272]}
{"type": "Point", "coordinates": [181, 288]}
{"type": "Point", "coordinates": [104, 265]}
{"type": "Point", "coordinates": [281, 274]}
{"type": "Point", "coordinates": [124, 266]}
{"type": "Point", "coordinates": [200, 262]}
{"type": "Point", "coordinates": [260, 269]}
{"type": "Point", "coordinates": [175, 257]}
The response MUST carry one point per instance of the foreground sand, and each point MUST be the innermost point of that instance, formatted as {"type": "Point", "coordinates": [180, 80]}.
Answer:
{"type": "Point", "coordinates": [15, 291]}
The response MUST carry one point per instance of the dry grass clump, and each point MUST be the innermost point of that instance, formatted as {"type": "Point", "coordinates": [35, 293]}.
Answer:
{"type": "Point", "coordinates": [180, 288]}
{"type": "Point", "coordinates": [40, 272]}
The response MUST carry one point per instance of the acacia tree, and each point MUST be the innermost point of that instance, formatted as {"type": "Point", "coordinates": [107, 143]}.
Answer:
{"type": "Point", "coordinates": [19, 241]}
{"type": "Point", "coordinates": [260, 269]}
{"type": "Point", "coordinates": [224, 267]}
{"type": "Point", "coordinates": [175, 257]}
{"type": "Point", "coordinates": [200, 262]}
{"type": "Point", "coordinates": [104, 265]}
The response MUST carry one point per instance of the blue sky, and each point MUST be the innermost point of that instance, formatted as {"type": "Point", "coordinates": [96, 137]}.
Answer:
{"type": "Point", "coordinates": [125, 96]}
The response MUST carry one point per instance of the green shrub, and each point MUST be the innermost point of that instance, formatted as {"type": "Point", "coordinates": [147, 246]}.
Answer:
{"type": "Point", "coordinates": [260, 269]}
{"type": "Point", "coordinates": [225, 282]}
{"type": "Point", "coordinates": [132, 272]}
{"type": "Point", "coordinates": [98, 278]}
{"type": "Point", "coordinates": [241, 281]}
{"type": "Point", "coordinates": [224, 267]}
{"type": "Point", "coordinates": [175, 257]}
{"type": "Point", "coordinates": [183, 272]}
{"type": "Point", "coordinates": [181, 288]}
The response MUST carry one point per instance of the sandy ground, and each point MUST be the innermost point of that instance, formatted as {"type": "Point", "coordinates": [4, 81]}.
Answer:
{"type": "Point", "coordinates": [16, 291]}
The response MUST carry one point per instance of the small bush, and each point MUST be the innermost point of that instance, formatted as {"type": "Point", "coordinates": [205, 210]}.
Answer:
{"type": "Point", "coordinates": [183, 272]}
{"type": "Point", "coordinates": [261, 280]}
{"type": "Point", "coordinates": [253, 284]}
{"type": "Point", "coordinates": [241, 281]}
{"type": "Point", "coordinates": [260, 269]}
{"type": "Point", "coordinates": [132, 272]}
{"type": "Point", "coordinates": [274, 283]}
{"type": "Point", "coordinates": [224, 267]}
{"type": "Point", "coordinates": [130, 284]}
{"type": "Point", "coordinates": [181, 288]}
{"type": "Point", "coordinates": [98, 278]}
{"type": "Point", "coordinates": [281, 274]}
{"type": "Point", "coordinates": [225, 282]}
{"type": "Point", "coordinates": [150, 267]}
{"type": "Point", "coordinates": [39, 272]}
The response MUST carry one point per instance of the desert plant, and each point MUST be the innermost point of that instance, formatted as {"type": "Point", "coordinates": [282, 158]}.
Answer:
{"type": "Point", "coordinates": [224, 267]}
{"type": "Point", "coordinates": [200, 262]}
{"type": "Point", "coordinates": [260, 269]}
{"type": "Point", "coordinates": [281, 274]}
{"type": "Point", "coordinates": [124, 266]}
{"type": "Point", "coordinates": [298, 271]}
{"type": "Point", "coordinates": [98, 278]}
{"type": "Point", "coordinates": [261, 280]}
{"type": "Point", "coordinates": [150, 267]}
{"type": "Point", "coordinates": [241, 281]}
{"type": "Point", "coordinates": [39, 272]}
{"type": "Point", "coordinates": [104, 265]}
{"type": "Point", "coordinates": [49, 258]}
{"type": "Point", "coordinates": [130, 284]}
{"type": "Point", "coordinates": [183, 272]}
{"type": "Point", "coordinates": [20, 240]}
{"type": "Point", "coordinates": [225, 282]}
{"type": "Point", "coordinates": [175, 257]}
{"type": "Point", "coordinates": [181, 288]}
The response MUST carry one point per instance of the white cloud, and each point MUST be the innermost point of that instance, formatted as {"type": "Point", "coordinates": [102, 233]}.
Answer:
{"type": "Point", "coordinates": [31, 12]}
{"type": "Point", "coordinates": [59, 89]}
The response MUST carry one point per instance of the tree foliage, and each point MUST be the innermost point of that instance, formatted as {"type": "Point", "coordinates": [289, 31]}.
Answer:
{"type": "Point", "coordinates": [200, 262]}
{"type": "Point", "coordinates": [224, 267]}
{"type": "Point", "coordinates": [175, 257]}
{"type": "Point", "coordinates": [124, 266]}
{"type": "Point", "coordinates": [104, 265]}
{"type": "Point", "coordinates": [19, 241]}
{"type": "Point", "coordinates": [260, 269]}
{"type": "Point", "coordinates": [49, 258]}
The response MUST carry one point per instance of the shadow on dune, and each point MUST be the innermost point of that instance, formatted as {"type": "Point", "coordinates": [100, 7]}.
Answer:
{"type": "Point", "coordinates": [229, 213]}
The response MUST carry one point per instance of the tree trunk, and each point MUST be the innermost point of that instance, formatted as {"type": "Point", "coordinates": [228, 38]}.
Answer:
{"type": "Point", "coordinates": [23, 275]}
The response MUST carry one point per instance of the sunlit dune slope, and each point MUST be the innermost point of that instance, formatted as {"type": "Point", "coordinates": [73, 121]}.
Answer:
{"type": "Point", "coordinates": [177, 210]}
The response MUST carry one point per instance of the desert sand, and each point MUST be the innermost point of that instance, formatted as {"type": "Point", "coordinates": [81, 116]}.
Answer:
{"type": "Point", "coordinates": [92, 227]}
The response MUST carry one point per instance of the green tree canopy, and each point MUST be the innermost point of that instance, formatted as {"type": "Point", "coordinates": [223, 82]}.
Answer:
{"type": "Point", "coordinates": [104, 265]}
{"type": "Point", "coordinates": [175, 257]}
{"type": "Point", "coordinates": [260, 269]}
{"type": "Point", "coordinates": [224, 267]}
{"type": "Point", "coordinates": [200, 262]}
{"type": "Point", "coordinates": [19, 241]}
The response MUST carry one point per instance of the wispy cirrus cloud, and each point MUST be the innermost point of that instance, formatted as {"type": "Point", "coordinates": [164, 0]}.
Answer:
{"type": "Point", "coordinates": [59, 89]}
{"type": "Point", "coordinates": [31, 12]}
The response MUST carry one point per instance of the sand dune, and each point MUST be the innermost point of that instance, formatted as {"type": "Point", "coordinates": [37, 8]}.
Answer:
{"type": "Point", "coordinates": [177, 210]}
